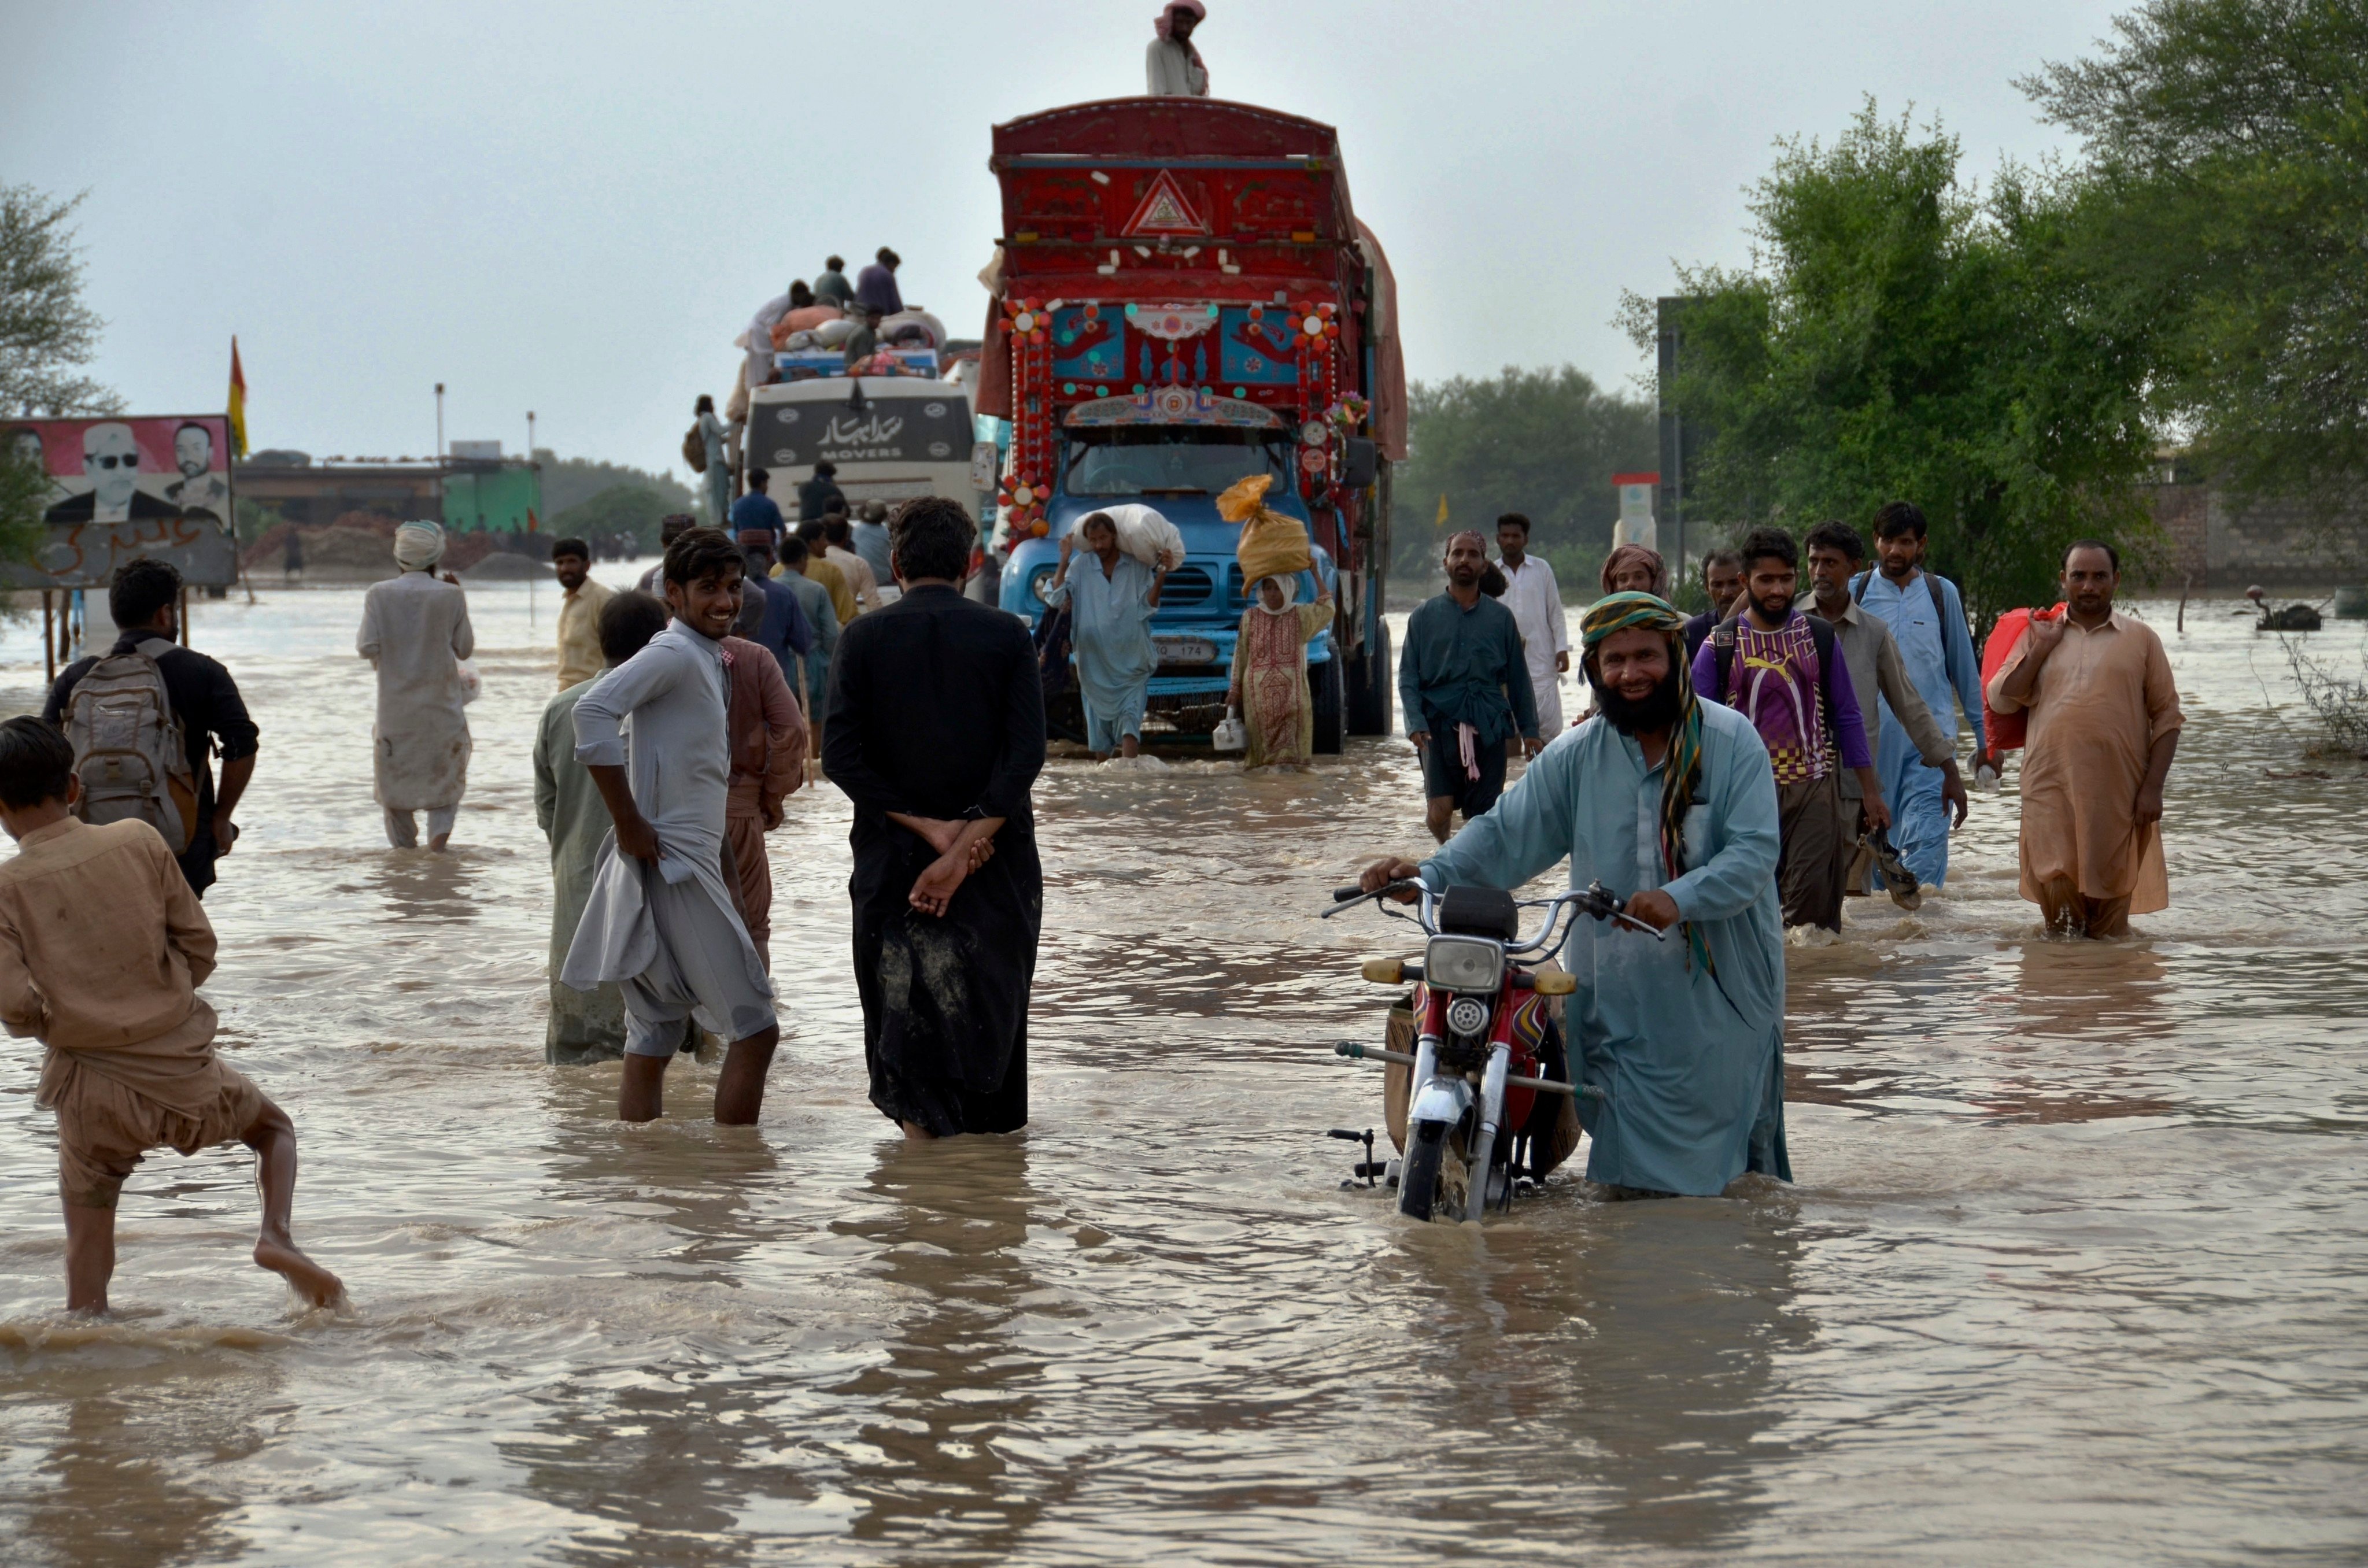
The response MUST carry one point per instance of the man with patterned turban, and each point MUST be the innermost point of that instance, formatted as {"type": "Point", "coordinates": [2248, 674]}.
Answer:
{"type": "Point", "coordinates": [1671, 804]}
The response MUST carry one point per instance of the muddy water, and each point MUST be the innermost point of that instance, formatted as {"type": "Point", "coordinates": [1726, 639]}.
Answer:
{"type": "Point", "coordinates": [2072, 1271]}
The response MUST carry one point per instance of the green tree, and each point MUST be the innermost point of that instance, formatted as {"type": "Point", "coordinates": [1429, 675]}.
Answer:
{"type": "Point", "coordinates": [47, 334]}
{"type": "Point", "coordinates": [620, 509]}
{"type": "Point", "coordinates": [24, 496]}
{"type": "Point", "coordinates": [568, 482]}
{"type": "Point", "coordinates": [1903, 334]}
{"type": "Point", "coordinates": [2228, 181]}
{"type": "Point", "coordinates": [1544, 443]}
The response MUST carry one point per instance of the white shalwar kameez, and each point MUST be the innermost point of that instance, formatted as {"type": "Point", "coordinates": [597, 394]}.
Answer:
{"type": "Point", "coordinates": [415, 630]}
{"type": "Point", "coordinates": [1535, 600]}
{"type": "Point", "coordinates": [669, 935]}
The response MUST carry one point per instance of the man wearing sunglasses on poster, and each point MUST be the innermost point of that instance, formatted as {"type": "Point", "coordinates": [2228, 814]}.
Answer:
{"type": "Point", "coordinates": [110, 459]}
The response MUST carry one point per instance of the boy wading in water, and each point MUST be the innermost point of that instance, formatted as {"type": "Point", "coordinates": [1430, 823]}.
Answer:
{"type": "Point", "coordinates": [661, 921]}
{"type": "Point", "coordinates": [102, 947]}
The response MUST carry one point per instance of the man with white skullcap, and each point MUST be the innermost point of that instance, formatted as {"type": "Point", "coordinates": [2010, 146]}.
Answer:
{"type": "Point", "coordinates": [415, 630]}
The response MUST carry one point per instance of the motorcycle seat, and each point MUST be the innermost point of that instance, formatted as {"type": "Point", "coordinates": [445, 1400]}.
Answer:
{"type": "Point", "coordinates": [1479, 912]}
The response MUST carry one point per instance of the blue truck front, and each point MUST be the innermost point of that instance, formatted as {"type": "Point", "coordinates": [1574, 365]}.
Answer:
{"type": "Point", "coordinates": [1178, 471]}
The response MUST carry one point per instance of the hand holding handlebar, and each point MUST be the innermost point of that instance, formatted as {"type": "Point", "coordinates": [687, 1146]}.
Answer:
{"type": "Point", "coordinates": [1654, 908]}
{"type": "Point", "coordinates": [1391, 878]}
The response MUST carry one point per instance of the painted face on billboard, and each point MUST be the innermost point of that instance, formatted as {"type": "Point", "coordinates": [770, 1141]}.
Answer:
{"type": "Point", "coordinates": [24, 446]}
{"type": "Point", "coordinates": [111, 458]}
{"type": "Point", "coordinates": [193, 451]}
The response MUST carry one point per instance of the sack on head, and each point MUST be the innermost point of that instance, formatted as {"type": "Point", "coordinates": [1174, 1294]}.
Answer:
{"type": "Point", "coordinates": [1273, 544]}
{"type": "Point", "coordinates": [128, 748]}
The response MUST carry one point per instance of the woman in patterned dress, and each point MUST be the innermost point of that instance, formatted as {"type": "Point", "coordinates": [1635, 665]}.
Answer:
{"type": "Point", "coordinates": [1269, 689]}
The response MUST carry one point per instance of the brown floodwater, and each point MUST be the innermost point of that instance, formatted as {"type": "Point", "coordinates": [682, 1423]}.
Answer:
{"type": "Point", "coordinates": [2072, 1271]}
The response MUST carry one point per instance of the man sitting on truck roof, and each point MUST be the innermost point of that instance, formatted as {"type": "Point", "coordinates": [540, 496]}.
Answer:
{"type": "Point", "coordinates": [864, 341]}
{"type": "Point", "coordinates": [832, 288]}
{"type": "Point", "coordinates": [875, 285]}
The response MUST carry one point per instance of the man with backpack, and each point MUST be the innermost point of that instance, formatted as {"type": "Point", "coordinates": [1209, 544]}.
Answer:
{"type": "Point", "coordinates": [1786, 673]}
{"type": "Point", "coordinates": [1927, 618]}
{"type": "Point", "coordinates": [143, 719]}
{"type": "Point", "coordinates": [1836, 554]}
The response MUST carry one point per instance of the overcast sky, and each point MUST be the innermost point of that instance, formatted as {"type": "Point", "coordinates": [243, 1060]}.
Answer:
{"type": "Point", "coordinates": [573, 208]}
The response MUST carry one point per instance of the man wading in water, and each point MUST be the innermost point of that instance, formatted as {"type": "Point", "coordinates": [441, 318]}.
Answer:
{"type": "Point", "coordinates": [661, 921]}
{"type": "Point", "coordinates": [2104, 725]}
{"type": "Point", "coordinates": [1671, 803]}
{"type": "Point", "coordinates": [937, 733]}
{"type": "Point", "coordinates": [1463, 686]}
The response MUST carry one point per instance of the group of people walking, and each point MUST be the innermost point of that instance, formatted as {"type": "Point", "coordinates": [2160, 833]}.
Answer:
{"type": "Point", "coordinates": [1853, 673]}
{"type": "Point", "coordinates": [1707, 791]}
{"type": "Point", "coordinates": [1728, 766]}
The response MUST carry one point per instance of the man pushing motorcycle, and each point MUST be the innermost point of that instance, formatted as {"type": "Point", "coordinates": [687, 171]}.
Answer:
{"type": "Point", "coordinates": [1671, 803]}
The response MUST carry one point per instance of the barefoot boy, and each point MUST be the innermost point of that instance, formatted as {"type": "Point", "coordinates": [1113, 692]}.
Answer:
{"type": "Point", "coordinates": [661, 919]}
{"type": "Point", "coordinates": [102, 947]}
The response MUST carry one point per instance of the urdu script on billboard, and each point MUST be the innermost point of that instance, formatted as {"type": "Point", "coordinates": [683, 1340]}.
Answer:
{"type": "Point", "coordinates": [934, 428]}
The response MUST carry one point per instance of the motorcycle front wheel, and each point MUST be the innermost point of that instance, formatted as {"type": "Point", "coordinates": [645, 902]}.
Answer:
{"type": "Point", "coordinates": [1425, 1150]}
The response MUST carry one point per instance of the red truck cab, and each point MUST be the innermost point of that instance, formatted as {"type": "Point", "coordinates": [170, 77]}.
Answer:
{"type": "Point", "coordinates": [1187, 299]}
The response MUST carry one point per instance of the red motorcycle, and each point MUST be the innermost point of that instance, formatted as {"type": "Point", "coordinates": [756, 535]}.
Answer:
{"type": "Point", "coordinates": [1487, 1051]}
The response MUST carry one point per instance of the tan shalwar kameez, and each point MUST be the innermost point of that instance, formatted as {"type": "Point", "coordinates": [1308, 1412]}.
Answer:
{"type": "Point", "coordinates": [768, 758]}
{"type": "Point", "coordinates": [2101, 700]}
{"type": "Point", "coordinates": [102, 949]}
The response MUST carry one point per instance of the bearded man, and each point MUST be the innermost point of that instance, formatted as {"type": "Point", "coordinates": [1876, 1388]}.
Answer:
{"type": "Point", "coordinates": [1671, 803]}
{"type": "Point", "coordinates": [1463, 686]}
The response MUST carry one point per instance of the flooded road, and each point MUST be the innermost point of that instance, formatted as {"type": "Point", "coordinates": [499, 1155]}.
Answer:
{"type": "Point", "coordinates": [2072, 1272]}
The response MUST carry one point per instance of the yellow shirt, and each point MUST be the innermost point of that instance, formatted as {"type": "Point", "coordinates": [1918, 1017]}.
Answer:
{"type": "Point", "coordinates": [579, 633]}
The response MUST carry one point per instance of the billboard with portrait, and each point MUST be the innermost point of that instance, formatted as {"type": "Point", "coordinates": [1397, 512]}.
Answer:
{"type": "Point", "coordinates": [127, 486]}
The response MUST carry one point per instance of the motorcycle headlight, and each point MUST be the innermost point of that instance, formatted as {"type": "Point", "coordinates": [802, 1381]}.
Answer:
{"type": "Point", "coordinates": [1467, 1017]}
{"type": "Point", "coordinates": [1463, 963]}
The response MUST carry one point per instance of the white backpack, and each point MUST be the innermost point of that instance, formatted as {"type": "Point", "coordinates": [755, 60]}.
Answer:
{"type": "Point", "coordinates": [128, 748]}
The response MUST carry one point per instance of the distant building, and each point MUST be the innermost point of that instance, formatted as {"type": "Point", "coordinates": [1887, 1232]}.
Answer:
{"type": "Point", "coordinates": [467, 493]}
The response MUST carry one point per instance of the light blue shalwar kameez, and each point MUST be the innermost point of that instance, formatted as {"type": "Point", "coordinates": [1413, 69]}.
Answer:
{"type": "Point", "coordinates": [1693, 1061]}
{"type": "Point", "coordinates": [1109, 628]}
{"type": "Point", "coordinates": [1942, 665]}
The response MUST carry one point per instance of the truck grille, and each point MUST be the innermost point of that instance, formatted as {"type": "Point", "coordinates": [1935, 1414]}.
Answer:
{"type": "Point", "coordinates": [1187, 585]}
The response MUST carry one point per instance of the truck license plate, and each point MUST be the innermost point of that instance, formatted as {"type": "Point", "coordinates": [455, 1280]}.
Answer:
{"type": "Point", "coordinates": [1185, 650]}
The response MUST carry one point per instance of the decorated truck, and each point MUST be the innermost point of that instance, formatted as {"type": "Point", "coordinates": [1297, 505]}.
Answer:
{"type": "Point", "coordinates": [1184, 298]}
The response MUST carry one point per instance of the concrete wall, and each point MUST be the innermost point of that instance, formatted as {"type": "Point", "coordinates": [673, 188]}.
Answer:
{"type": "Point", "coordinates": [2274, 543]}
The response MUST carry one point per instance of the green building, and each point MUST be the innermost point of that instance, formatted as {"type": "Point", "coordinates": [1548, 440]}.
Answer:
{"type": "Point", "coordinates": [502, 494]}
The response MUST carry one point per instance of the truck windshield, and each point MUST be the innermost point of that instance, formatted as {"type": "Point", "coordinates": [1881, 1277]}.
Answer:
{"type": "Point", "coordinates": [1172, 460]}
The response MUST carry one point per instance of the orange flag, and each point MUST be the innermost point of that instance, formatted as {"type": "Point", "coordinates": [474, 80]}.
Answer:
{"type": "Point", "coordinates": [237, 402]}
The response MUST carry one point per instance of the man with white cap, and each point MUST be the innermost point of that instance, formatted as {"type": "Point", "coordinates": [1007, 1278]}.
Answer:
{"type": "Point", "coordinates": [415, 630]}
{"type": "Point", "coordinates": [1171, 66]}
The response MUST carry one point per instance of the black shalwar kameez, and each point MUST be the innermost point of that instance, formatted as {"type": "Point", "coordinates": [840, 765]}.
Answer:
{"type": "Point", "coordinates": [937, 710]}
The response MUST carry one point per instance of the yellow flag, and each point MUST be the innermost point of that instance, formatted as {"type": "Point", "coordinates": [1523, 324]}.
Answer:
{"type": "Point", "coordinates": [237, 403]}
{"type": "Point", "coordinates": [1440, 521]}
